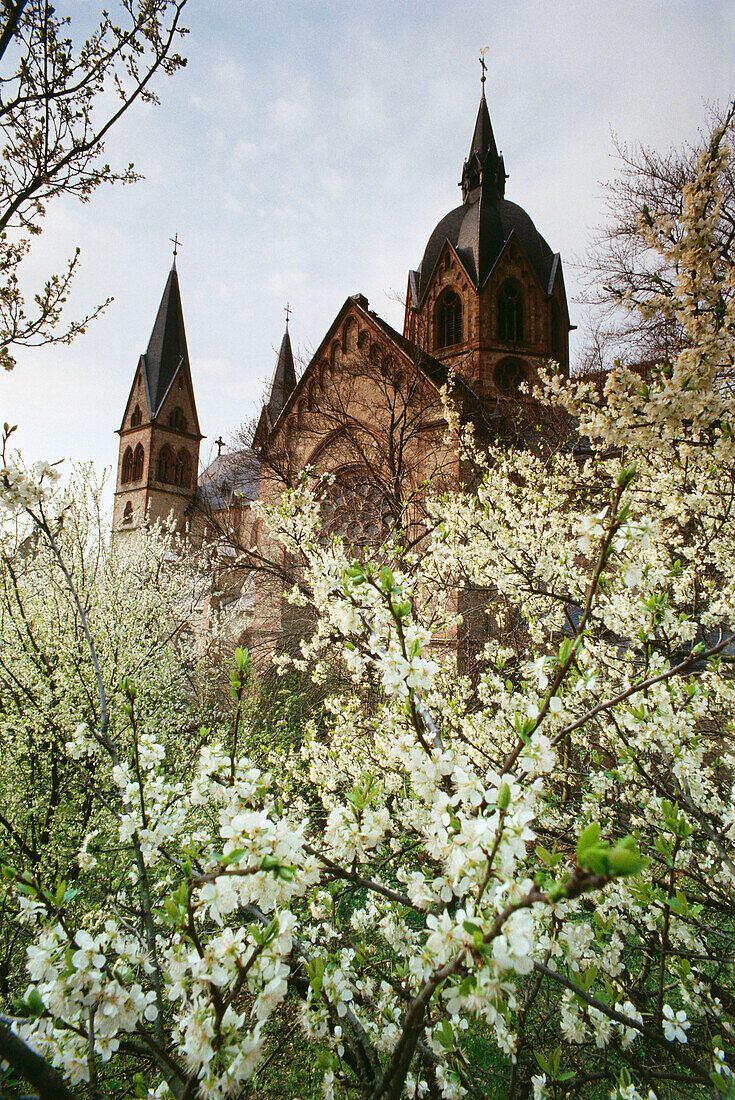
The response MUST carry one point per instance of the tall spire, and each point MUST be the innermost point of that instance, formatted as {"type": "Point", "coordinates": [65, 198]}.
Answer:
{"type": "Point", "coordinates": [284, 378]}
{"type": "Point", "coordinates": [484, 166]}
{"type": "Point", "coordinates": [167, 349]}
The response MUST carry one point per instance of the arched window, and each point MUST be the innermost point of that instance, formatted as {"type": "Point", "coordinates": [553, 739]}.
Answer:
{"type": "Point", "coordinates": [509, 374]}
{"type": "Point", "coordinates": [355, 510]}
{"type": "Point", "coordinates": [136, 417]}
{"type": "Point", "coordinates": [127, 466]}
{"type": "Point", "coordinates": [182, 471]}
{"type": "Point", "coordinates": [128, 513]}
{"type": "Point", "coordinates": [176, 419]}
{"type": "Point", "coordinates": [165, 465]}
{"type": "Point", "coordinates": [510, 314]}
{"type": "Point", "coordinates": [138, 462]}
{"type": "Point", "coordinates": [448, 320]}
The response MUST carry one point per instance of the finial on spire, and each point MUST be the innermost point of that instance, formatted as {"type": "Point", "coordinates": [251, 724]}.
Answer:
{"type": "Point", "coordinates": [288, 311]}
{"type": "Point", "coordinates": [483, 66]}
{"type": "Point", "coordinates": [175, 242]}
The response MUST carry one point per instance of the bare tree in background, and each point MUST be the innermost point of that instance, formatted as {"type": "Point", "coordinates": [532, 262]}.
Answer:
{"type": "Point", "coordinates": [620, 266]}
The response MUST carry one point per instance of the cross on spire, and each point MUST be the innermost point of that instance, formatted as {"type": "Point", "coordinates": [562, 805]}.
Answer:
{"type": "Point", "coordinates": [175, 242]}
{"type": "Point", "coordinates": [483, 66]}
{"type": "Point", "coordinates": [219, 444]}
{"type": "Point", "coordinates": [288, 311]}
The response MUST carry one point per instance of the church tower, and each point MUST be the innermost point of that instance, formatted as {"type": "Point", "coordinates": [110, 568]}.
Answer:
{"type": "Point", "coordinates": [488, 297]}
{"type": "Point", "coordinates": [159, 435]}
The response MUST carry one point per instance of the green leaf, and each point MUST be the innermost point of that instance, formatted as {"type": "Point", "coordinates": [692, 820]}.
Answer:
{"type": "Point", "coordinates": [467, 984]}
{"type": "Point", "coordinates": [447, 1035]}
{"type": "Point", "coordinates": [35, 1004]}
{"type": "Point", "coordinates": [543, 1063]}
{"type": "Point", "coordinates": [233, 857]}
{"type": "Point", "coordinates": [588, 839]}
{"type": "Point", "coordinates": [625, 476]}
{"type": "Point", "coordinates": [624, 861]}
{"type": "Point", "coordinates": [586, 979]}
{"type": "Point", "coordinates": [557, 892]}
{"type": "Point", "coordinates": [551, 859]}
{"type": "Point", "coordinates": [316, 974]}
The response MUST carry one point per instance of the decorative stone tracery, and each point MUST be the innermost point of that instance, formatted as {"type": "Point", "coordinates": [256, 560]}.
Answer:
{"type": "Point", "coordinates": [355, 510]}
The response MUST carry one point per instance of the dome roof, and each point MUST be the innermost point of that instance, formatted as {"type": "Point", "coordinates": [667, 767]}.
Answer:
{"type": "Point", "coordinates": [478, 230]}
{"type": "Point", "coordinates": [481, 226]}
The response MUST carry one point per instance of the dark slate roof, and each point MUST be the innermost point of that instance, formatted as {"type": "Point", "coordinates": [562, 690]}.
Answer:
{"type": "Point", "coordinates": [481, 226]}
{"type": "Point", "coordinates": [478, 231]}
{"type": "Point", "coordinates": [284, 380]}
{"type": "Point", "coordinates": [167, 349]}
{"type": "Point", "coordinates": [232, 478]}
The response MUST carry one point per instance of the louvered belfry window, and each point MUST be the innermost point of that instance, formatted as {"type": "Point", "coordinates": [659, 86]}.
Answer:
{"type": "Point", "coordinates": [138, 461]}
{"type": "Point", "coordinates": [448, 320]}
{"type": "Point", "coordinates": [510, 314]}
{"type": "Point", "coordinates": [127, 466]}
{"type": "Point", "coordinates": [165, 465]}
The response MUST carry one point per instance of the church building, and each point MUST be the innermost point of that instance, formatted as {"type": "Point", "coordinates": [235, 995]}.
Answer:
{"type": "Point", "coordinates": [485, 307]}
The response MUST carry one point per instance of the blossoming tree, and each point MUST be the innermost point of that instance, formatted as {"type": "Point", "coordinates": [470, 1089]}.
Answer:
{"type": "Point", "coordinates": [539, 863]}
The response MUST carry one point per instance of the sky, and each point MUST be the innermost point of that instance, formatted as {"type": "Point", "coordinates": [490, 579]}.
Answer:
{"type": "Point", "coordinates": [307, 151]}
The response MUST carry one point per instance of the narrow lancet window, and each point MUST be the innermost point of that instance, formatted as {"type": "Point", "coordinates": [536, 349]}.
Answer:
{"type": "Point", "coordinates": [510, 314]}
{"type": "Point", "coordinates": [448, 320]}
{"type": "Point", "coordinates": [138, 462]}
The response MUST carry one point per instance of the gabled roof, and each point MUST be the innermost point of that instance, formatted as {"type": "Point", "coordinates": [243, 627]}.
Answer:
{"type": "Point", "coordinates": [167, 350]}
{"type": "Point", "coordinates": [436, 372]}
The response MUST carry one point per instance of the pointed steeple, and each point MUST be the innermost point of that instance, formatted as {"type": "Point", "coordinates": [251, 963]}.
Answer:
{"type": "Point", "coordinates": [167, 350]}
{"type": "Point", "coordinates": [284, 379]}
{"type": "Point", "coordinates": [484, 167]}
{"type": "Point", "coordinates": [483, 139]}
